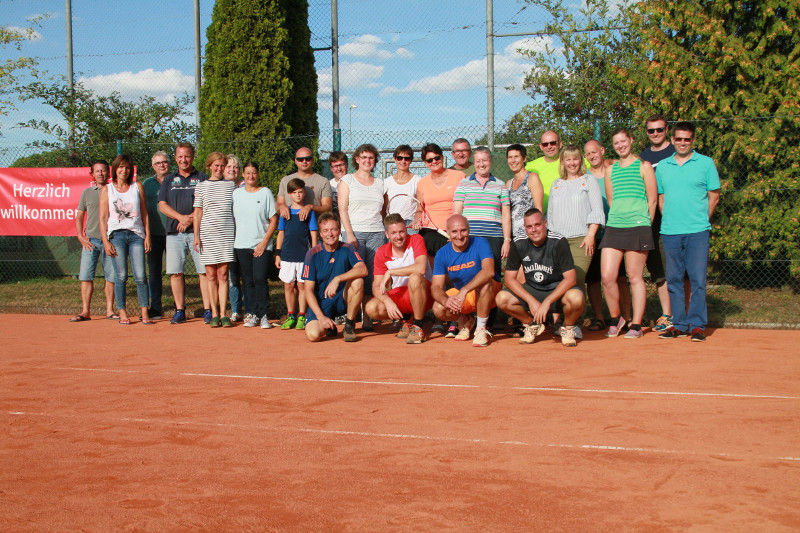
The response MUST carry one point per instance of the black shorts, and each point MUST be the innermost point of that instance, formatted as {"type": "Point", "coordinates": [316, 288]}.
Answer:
{"type": "Point", "coordinates": [593, 274]}
{"type": "Point", "coordinates": [639, 239]}
{"type": "Point", "coordinates": [434, 240]}
{"type": "Point", "coordinates": [655, 260]}
{"type": "Point", "coordinates": [556, 307]}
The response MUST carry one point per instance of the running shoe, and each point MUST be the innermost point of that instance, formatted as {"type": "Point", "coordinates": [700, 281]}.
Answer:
{"type": "Point", "coordinates": [568, 336]}
{"type": "Point", "coordinates": [250, 321]}
{"type": "Point", "coordinates": [301, 322]}
{"type": "Point", "coordinates": [634, 333]}
{"type": "Point", "coordinates": [416, 335]}
{"type": "Point", "coordinates": [289, 323]}
{"type": "Point", "coordinates": [482, 336]}
{"type": "Point", "coordinates": [155, 314]}
{"type": "Point", "coordinates": [236, 317]}
{"type": "Point", "coordinates": [578, 333]}
{"type": "Point", "coordinates": [350, 333]}
{"type": "Point", "coordinates": [207, 316]}
{"type": "Point", "coordinates": [698, 335]}
{"type": "Point", "coordinates": [663, 323]}
{"type": "Point", "coordinates": [452, 331]}
{"type": "Point", "coordinates": [672, 333]}
{"type": "Point", "coordinates": [530, 332]}
{"type": "Point", "coordinates": [438, 327]}
{"type": "Point", "coordinates": [405, 328]}
{"type": "Point", "coordinates": [396, 325]}
{"type": "Point", "coordinates": [464, 331]}
{"type": "Point", "coordinates": [615, 327]}
{"type": "Point", "coordinates": [366, 323]}
{"type": "Point", "coordinates": [331, 332]}
{"type": "Point", "coordinates": [225, 322]}
{"type": "Point", "coordinates": [339, 320]}
{"type": "Point", "coordinates": [214, 322]}
{"type": "Point", "coordinates": [179, 317]}
{"type": "Point", "coordinates": [265, 323]}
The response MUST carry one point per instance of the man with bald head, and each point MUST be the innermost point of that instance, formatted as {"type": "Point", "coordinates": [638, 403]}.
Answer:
{"type": "Point", "coordinates": [547, 165]}
{"type": "Point", "coordinates": [469, 264]}
{"type": "Point", "coordinates": [319, 196]}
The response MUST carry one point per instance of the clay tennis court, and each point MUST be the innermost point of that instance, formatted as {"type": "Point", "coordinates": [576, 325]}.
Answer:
{"type": "Point", "coordinates": [109, 427]}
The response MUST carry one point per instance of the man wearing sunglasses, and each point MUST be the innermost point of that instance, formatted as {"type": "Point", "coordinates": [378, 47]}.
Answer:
{"type": "Point", "coordinates": [461, 153]}
{"type": "Point", "coordinates": [318, 190]}
{"type": "Point", "coordinates": [547, 165]}
{"type": "Point", "coordinates": [660, 148]}
{"type": "Point", "coordinates": [688, 193]}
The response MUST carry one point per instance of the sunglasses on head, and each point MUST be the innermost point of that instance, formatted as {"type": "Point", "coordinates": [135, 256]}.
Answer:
{"type": "Point", "coordinates": [549, 143]}
{"type": "Point", "coordinates": [655, 130]}
{"type": "Point", "coordinates": [305, 158]}
{"type": "Point", "coordinates": [434, 158]}
{"type": "Point", "coordinates": [403, 158]}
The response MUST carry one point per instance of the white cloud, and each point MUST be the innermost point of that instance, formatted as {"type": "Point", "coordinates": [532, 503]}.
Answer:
{"type": "Point", "coordinates": [531, 44]}
{"type": "Point", "coordinates": [356, 74]}
{"type": "Point", "coordinates": [163, 85]}
{"type": "Point", "coordinates": [404, 52]}
{"type": "Point", "coordinates": [370, 46]}
{"type": "Point", "coordinates": [23, 33]}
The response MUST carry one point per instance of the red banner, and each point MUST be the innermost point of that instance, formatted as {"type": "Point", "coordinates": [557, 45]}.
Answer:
{"type": "Point", "coordinates": [41, 201]}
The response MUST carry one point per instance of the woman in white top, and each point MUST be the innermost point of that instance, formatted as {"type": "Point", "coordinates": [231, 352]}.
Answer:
{"type": "Point", "coordinates": [126, 233]}
{"type": "Point", "coordinates": [401, 188]}
{"type": "Point", "coordinates": [362, 206]}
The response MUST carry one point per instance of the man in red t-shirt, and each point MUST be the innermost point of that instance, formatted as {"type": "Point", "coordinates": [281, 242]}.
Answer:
{"type": "Point", "coordinates": [402, 283]}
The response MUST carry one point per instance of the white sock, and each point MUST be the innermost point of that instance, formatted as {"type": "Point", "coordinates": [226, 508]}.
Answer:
{"type": "Point", "coordinates": [482, 322]}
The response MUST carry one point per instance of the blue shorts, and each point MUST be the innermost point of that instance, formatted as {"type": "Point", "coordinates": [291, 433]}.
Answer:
{"type": "Point", "coordinates": [178, 247]}
{"type": "Point", "coordinates": [331, 307]}
{"type": "Point", "coordinates": [89, 260]}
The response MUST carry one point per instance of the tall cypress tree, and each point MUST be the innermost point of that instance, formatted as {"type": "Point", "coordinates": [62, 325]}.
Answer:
{"type": "Point", "coordinates": [249, 101]}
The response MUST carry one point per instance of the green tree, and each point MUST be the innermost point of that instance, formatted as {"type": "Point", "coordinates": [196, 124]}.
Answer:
{"type": "Point", "coordinates": [12, 68]}
{"type": "Point", "coordinates": [573, 81]}
{"type": "Point", "coordinates": [99, 122]}
{"type": "Point", "coordinates": [733, 68]}
{"type": "Point", "coordinates": [259, 82]}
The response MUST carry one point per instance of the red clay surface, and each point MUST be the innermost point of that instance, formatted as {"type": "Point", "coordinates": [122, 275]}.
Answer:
{"type": "Point", "coordinates": [109, 427]}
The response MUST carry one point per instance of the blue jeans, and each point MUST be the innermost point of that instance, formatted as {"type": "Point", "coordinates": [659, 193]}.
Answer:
{"type": "Point", "coordinates": [128, 244]}
{"type": "Point", "coordinates": [89, 259]}
{"type": "Point", "coordinates": [687, 253]}
{"type": "Point", "coordinates": [368, 244]}
{"type": "Point", "coordinates": [155, 261]}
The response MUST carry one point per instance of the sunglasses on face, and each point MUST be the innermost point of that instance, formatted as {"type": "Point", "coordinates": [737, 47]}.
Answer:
{"type": "Point", "coordinates": [549, 143]}
{"type": "Point", "coordinates": [434, 158]}
{"type": "Point", "coordinates": [304, 158]}
{"type": "Point", "coordinates": [403, 158]}
{"type": "Point", "coordinates": [682, 139]}
{"type": "Point", "coordinates": [655, 130]}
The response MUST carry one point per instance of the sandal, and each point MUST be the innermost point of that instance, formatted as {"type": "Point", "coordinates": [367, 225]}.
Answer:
{"type": "Point", "coordinates": [125, 321]}
{"type": "Point", "coordinates": [79, 318]}
{"type": "Point", "coordinates": [113, 316]}
{"type": "Point", "coordinates": [597, 325]}
{"type": "Point", "coordinates": [148, 322]}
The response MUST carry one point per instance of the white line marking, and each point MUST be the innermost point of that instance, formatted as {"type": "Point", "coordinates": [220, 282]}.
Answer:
{"type": "Point", "coordinates": [252, 427]}
{"type": "Point", "coordinates": [442, 385]}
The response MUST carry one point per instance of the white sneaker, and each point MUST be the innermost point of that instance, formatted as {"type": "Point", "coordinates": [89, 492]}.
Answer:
{"type": "Point", "coordinates": [265, 323]}
{"type": "Point", "coordinates": [568, 336]}
{"type": "Point", "coordinates": [578, 333]}
{"type": "Point", "coordinates": [481, 338]}
{"type": "Point", "coordinates": [464, 329]}
{"type": "Point", "coordinates": [531, 331]}
{"type": "Point", "coordinates": [236, 317]}
{"type": "Point", "coordinates": [250, 321]}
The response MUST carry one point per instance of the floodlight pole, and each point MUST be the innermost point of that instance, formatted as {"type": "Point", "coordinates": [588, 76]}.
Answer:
{"type": "Point", "coordinates": [490, 73]}
{"type": "Point", "coordinates": [70, 75]}
{"type": "Point", "coordinates": [198, 68]}
{"type": "Point", "coordinates": [337, 130]}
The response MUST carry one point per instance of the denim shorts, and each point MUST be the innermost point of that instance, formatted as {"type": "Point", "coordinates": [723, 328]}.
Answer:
{"type": "Point", "coordinates": [89, 260]}
{"type": "Point", "coordinates": [178, 247]}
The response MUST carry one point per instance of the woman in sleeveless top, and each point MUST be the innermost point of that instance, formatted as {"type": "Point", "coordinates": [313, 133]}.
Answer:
{"type": "Point", "coordinates": [126, 233]}
{"type": "Point", "coordinates": [631, 192]}
{"type": "Point", "coordinates": [214, 233]}
{"type": "Point", "coordinates": [362, 205]}
{"type": "Point", "coordinates": [525, 190]}
{"type": "Point", "coordinates": [403, 182]}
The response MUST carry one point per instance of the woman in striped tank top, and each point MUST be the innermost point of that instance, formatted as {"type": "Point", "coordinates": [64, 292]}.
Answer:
{"type": "Point", "coordinates": [631, 191]}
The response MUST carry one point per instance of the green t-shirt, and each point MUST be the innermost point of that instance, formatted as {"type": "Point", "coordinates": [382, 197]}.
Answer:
{"type": "Point", "coordinates": [548, 173]}
{"type": "Point", "coordinates": [628, 198]}
{"type": "Point", "coordinates": [157, 219]}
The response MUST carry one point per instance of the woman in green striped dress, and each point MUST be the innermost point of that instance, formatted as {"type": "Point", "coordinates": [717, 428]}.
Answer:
{"type": "Point", "coordinates": [632, 194]}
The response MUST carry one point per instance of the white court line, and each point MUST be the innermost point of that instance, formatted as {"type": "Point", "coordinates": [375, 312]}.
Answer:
{"type": "Point", "coordinates": [443, 385]}
{"type": "Point", "coordinates": [368, 434]}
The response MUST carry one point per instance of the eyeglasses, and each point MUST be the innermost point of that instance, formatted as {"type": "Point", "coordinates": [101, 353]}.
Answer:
{"type": "Point", "coordinates": [655, 130]}
{"type": "Point", "coordinates": [549, 143]}
{"type": "Point", "coordinates": [304, 158]}
{"type": "Point", "coordinates": [403, 158]}
{"type": "Point", "coordinates": [682, 139]}
{"type": "Point", "coordinates": [434, 158]}
{"type": "Point", "coordinates": [461, 151]}
{"type": "Point", "coordinates": [161, 163]}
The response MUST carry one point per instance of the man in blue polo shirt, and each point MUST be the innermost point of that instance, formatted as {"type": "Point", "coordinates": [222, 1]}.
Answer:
{"type": "Point", "coordinates": [176, 201]}
{"type": "Point", "coordinates": [469, 263]}
{"type": "Point", "coordinates": [688, 193]}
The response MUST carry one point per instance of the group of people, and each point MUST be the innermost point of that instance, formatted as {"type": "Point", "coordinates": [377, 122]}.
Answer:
{"type": "Point", "coordinates": [566, 224]}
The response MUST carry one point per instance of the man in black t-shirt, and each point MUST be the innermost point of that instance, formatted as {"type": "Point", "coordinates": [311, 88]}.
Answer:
{"type": "Point", "coordinates": [546, 263]}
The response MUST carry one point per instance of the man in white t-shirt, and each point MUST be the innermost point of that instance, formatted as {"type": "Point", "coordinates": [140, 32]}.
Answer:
{"type": "Point", "coordinates": [403, 261]}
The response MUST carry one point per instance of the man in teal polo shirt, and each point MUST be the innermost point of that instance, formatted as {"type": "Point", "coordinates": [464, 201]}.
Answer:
{"type": "Point", "coordinates": [688, 193]}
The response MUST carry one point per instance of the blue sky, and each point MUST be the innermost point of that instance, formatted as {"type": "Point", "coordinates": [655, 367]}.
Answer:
{"type": "Point", "coordinates": [411, 67]}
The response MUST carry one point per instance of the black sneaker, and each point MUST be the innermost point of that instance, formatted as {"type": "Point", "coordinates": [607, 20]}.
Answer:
{"type": "Point", "coordinates": [350, 333]}
{"type": "Point", "coordinates": [331, 332]}
{"type": "Point", "coordinates": [155, 314]}
{"type": "Point", "coordinates": [672, 333]}
{"type": "Point", "coordinates": [698, 335]}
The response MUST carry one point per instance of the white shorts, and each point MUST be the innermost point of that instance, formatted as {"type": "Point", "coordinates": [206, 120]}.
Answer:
{"type": "Point", "coordinates": [290, 272]}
